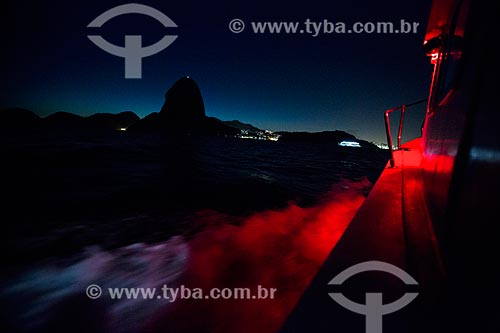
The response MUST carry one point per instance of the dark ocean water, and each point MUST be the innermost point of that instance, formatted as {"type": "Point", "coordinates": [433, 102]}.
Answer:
{"type": "Point", "coordinates": [127, 211]}
{"type": "Point", "coordinates": [65, 194]}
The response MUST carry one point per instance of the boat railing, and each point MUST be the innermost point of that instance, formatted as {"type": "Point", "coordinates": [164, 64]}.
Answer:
{"type": "Point", "coordinates": [401, 108]}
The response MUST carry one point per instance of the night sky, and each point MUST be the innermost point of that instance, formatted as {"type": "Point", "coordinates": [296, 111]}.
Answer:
{"type": "Point", "coordinates": [278, 82]}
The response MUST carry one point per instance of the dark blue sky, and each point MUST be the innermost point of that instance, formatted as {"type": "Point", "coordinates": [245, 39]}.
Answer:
{"type": "Point", "coordinates": [278, 82]}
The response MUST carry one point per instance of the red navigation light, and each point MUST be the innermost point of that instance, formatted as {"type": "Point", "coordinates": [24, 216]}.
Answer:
{"type": "Point", "coordinates": [434, 57]}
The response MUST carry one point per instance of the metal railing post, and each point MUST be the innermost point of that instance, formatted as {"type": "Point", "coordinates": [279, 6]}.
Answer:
{"type": "Point", "coordinates": [401, 119]}
{"type": "Point", "coordinates": [389, 137]}
{"type": "Point", "coordinates": [400, 130]}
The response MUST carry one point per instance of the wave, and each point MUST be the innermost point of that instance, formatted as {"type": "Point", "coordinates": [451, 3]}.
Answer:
{"type": "Point", "coordinates": [280, 249]}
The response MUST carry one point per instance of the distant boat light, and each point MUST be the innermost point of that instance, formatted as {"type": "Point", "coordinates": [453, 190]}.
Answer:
{"type": "Point", "coordinates": [123, 129]}
{"type": "Point", "coordinates": [349, 144]}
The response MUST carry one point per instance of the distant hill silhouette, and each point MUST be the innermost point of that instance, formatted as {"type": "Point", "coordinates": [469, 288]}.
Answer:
{"type": "Point", "coordinates": [241, 126]}
{"type": "Point", "coordinates": [333, 137]}
{"type": "Point", "coordinates": [109, 122]}
{"type": "Point", "coordinates": [150, 123]}
{"type": "Point", "coordinates": [61, 123]}
{"type": "Point", "coordinates": [63, 118]}
{"type": "Point", "coordinates": [17, 121]}
{"type": "Point", "coordinates": [326, 136]}
{"type": "Point", "coordinates": [183, 113]}
{"type": "Point", "coordinates": [65, 122]}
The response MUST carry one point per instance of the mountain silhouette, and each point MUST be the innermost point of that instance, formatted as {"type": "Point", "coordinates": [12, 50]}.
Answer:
{"type": "Point", "coordinates": [63, 118]}
{"type": "Point", "coordinates": [241, 126]}
{"type": "Point", "coordinates": [333, 137]}
{"type": "Point", "coordinates": [109, 121]}
{"type": "Point", "coordinates": [19, 125]}
{"type": "Point", "coordinates": [15, 121]}
{"type": "Point", "coordinates": [183, 113]}
{"type": "Point", "coordinates": [67, 124]}
{"type": "Point", "coordinates": [317, 137]}
{"type": "Point", "coordinates": [183, 103]}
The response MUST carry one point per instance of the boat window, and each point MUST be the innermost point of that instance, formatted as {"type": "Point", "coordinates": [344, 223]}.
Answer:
{"type": "Point", "coordinates": [450, 67]}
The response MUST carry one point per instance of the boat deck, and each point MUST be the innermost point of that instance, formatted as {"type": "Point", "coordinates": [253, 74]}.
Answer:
{"type": "Point", "coordinates": [392, 226]}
